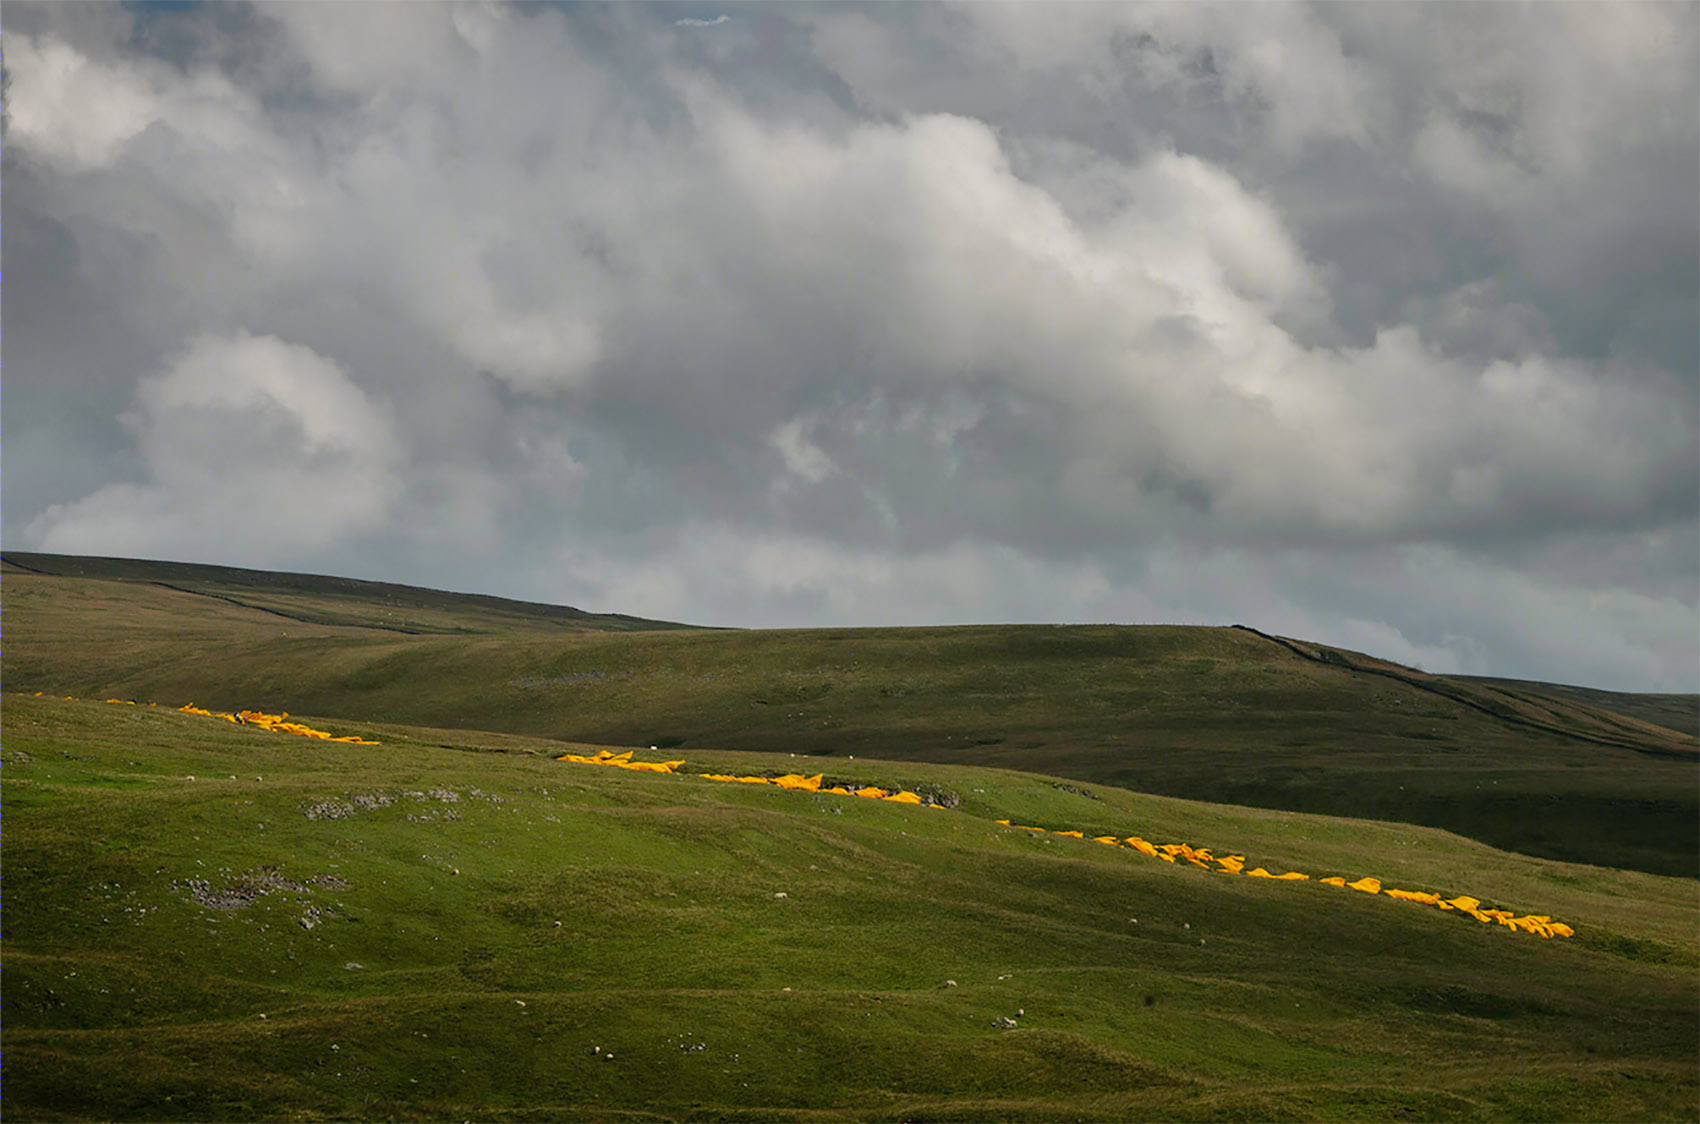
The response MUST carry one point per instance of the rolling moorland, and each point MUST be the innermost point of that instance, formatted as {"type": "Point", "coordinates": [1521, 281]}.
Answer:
{"type": "Point", "coordinates": [1221, 714]}
{"type": "Point", "coordinates": [212, 921]}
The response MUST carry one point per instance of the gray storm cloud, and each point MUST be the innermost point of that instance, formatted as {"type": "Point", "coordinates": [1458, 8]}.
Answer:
{"type": "Point", "coordinates": [1331, 319]}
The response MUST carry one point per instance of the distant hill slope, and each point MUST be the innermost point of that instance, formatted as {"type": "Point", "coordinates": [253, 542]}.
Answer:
{"type": "Point", "coordinates": [1222, 714]}
{"type": "Point", "coordinates": [315, 599]}
{"type": "Point", "coordinates": [1672, 711]}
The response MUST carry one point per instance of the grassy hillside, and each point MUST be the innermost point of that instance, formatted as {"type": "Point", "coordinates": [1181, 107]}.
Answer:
{"type": "Point", "coordinates": [205, 921]}
{"type": "Point", "coordinates": [1229, 715]}
{"type": "Point", "coordinates": [1674, 712]}
{"type": "Point", "coordinates": [316, 599]}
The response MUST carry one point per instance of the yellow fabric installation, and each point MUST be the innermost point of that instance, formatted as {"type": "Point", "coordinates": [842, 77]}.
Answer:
{"type": "Point", "coordinates": [1414, 896]}
{"type": "Point", "coordinates": [272, 722]}
{"type": "Point", "coordinates": [620, 761]}
{"type": "Point", "coordinates": [1201, 857]}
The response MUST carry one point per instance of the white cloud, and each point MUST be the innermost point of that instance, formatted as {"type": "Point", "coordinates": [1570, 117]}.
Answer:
{"type": "Point", "coordinates": [252, 447]}
{"type": "Point", "coordinates": [72, 111]}
{"type": "Point", "coordinates": [1012, 306]}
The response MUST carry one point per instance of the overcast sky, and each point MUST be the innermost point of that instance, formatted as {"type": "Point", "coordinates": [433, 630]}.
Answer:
{"type": "Point", "coordinates": [1374, 324]}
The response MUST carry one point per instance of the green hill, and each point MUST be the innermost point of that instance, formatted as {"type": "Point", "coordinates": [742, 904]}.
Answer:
{"type": "Point", "coordinates": [210, 922]}
{"type": "Point", "coordinates": [1672, 711]}
{"type": "Point", "coordinates": [1221, 714]}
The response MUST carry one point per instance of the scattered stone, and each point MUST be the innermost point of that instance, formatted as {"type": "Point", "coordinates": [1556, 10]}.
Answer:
{"type": "Point", "coordinates": [353, 966]}
{"type": "Point", "coordinates": [327, 809]}
{"type": "Point", "coordinates": [1006, 1024]}
{"type": "Point", "coordinates": [1073, 791]}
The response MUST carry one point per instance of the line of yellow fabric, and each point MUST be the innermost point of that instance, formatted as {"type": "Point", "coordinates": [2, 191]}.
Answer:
{"type": "Point", "coordinates": [1538, 923]}
{"type": "Point", "coordinates": [1200, 857]}
{"type": "Point", "coordinates": [273, 722]}
{"type": "Point", "coordinates": [795, 782]}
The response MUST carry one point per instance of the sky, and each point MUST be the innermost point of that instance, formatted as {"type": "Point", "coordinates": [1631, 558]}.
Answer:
{"type": "Point", "coordinates": [1372, 324]}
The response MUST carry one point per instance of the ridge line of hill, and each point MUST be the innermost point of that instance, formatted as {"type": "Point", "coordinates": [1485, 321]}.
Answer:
{"type": "Point", "coordinates": [1334, 658]}
{"type": "Point", "coordinates": [274, 612]}
{"type": "Point", "coordinates": [143, 571]}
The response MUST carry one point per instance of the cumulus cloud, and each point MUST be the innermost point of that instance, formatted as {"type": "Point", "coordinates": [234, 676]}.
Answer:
{"type": "Point", "coordinates": [254, 449]}
{"type": "Point", "coordinates": [1068, 302]}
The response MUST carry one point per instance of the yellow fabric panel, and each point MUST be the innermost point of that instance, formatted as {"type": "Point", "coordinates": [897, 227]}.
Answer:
{"type": "Point", "coordinates": [839, 790]}
{"type": "Point", "coordinates": [1232, 864]}
{"type": "Point", "coordinates": [1071, 834]}
{"type": "Point", "coordinates": [751, 780]}
{"type": "Point", "coordinates": [1293, 876]}
{"type": "Point", "coordinates": [1422, 896]}
{"type": "Point", "coordinates": [1464, 903]}
{"type": "Point", "coordinates": [904, 798]}
{"type": "Point", "coordinates": [1560, 929]}
{"type": "Point", "coordinates": [1367, 884]}
{"type": "Point", "coordinates": [871, 792]}
{"type": "Point", "coordinates": [1335, 881]}
{"type": "Point", "coordinates": [1110, 839]}
{"type": "Point", "coordinates": [1141, 846]}
{"type": "Point", "coordinates": [1258, 872]}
